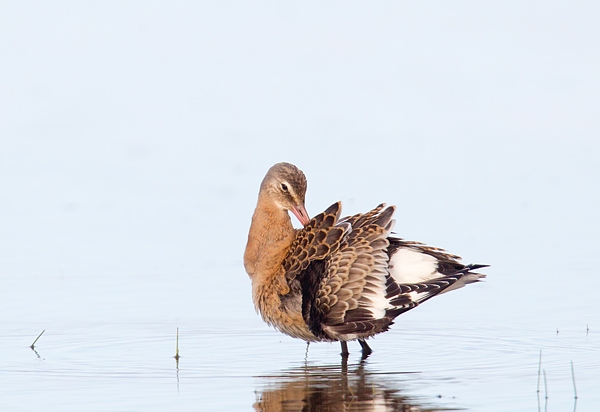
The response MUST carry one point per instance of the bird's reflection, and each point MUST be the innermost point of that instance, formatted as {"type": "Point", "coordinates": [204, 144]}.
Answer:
{"type": "Point", "coordinates": [335, 388]}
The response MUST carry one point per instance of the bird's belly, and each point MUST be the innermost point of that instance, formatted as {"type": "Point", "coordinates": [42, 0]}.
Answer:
{"type": "Point", "coordinates": [288, 320]}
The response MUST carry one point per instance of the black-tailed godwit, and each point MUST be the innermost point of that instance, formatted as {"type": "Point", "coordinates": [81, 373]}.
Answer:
{"type": "Point", "coordinates": [337, 279]}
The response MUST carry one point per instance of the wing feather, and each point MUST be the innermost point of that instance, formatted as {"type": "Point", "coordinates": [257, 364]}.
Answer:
{"type": "Point", "coordinates": [351, 288]}
{"type": "Point", "coordinates": [352, 292]}
{"type": "Point", "coordinates": [315, 241]}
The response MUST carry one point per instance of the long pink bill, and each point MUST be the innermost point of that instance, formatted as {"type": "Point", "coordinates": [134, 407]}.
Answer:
{"type": "Point", "coordinates": [301, 213]}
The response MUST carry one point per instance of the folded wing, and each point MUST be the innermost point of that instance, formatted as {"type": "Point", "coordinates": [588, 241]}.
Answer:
{"type": "Point", "coordinates": [357, 286]}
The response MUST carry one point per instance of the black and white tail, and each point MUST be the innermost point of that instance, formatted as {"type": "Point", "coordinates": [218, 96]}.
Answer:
{"type": "Point", "coordinates": [418, 272]}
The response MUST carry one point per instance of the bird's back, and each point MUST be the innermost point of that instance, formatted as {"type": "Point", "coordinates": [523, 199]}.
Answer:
{"type": "Point", "coordinates": [355, 278]}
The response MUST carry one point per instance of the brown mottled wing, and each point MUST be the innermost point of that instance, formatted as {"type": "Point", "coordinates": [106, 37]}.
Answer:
{"type": "Point", "coordinates": [353, 290]}
{"type": "Point", "coordinates": [317, 240]}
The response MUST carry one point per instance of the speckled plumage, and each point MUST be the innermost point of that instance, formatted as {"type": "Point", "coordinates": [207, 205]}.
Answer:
{"type": "Point", "coordinates": [337, 279]}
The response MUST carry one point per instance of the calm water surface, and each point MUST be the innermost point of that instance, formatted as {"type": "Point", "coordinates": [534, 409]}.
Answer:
{"type": "Point", "coordinates": [118, 354]}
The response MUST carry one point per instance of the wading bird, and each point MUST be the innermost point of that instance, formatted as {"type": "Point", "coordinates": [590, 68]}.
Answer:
{"type": "Point", "coordinates": [337, 279]}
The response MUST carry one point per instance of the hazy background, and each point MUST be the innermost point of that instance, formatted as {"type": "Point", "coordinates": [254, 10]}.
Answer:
{"type": "Point", "coordinates": [134, 136]}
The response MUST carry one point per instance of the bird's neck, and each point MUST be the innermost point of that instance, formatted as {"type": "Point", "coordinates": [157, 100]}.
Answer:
{"type": "Point", "coordinates": [270, 237]}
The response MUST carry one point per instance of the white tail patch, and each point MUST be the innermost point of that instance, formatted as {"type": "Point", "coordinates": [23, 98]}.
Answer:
{"type": "Point", "coordinates": [411, 266]}
{"type": "Point", "coordinates": [419, 296]}
{"type": "Point", "coordinates": [466, 279]}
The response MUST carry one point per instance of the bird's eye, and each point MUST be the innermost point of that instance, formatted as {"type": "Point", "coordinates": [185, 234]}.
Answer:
{"type": "Point", "coordinates": [284, 187]}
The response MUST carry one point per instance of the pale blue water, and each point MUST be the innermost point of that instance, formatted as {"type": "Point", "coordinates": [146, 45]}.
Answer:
{"type": "Point", "coordinates": [133, 140]}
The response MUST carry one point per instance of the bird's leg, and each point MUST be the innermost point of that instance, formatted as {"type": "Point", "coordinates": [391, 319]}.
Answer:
{"type": "Point", "coordinates": [344, 369]}
{"type": "Point", "coordinates": [345, 352]}
{"type": "Point", "coordinates": [366, 349]}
